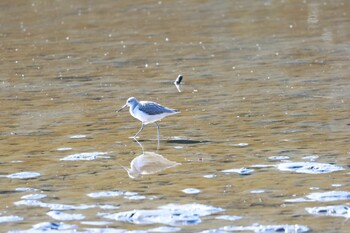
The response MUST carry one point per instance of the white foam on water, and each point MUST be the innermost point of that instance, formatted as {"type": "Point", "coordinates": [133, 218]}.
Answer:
{"type": "Point", "coordinates": [285, 228]}
{"type": "Point", "coordinates": [164, 229]}
{"type": "Point", "coordinates": [10, 218]}
{"type": "Point", "coordinates": [106, 194]}
{"type": "Point", "coordinates": [135, 197]}
{"type": "Point", "coordinates": [108, 207]}
{"type": "Point", "coordinates": [78, 136]}
{"type": "Point", "coordinates": [322, 197]}
{"type": "Point", "coordinates": [281, 157]}
{"type": "Point", "coordinates": [228, 217]}
{"type": "Point", "coordinates": [209, 176]}
{"type": "Point", "coordinates": [312, 158]}
{"type": "Point", "coordinates": [20, 189]}
{"type": "Point", "coordinates": [171, 214]}
{"type": "Point", "coordinates": [96, 223]}
{"type": "Point", "coordinates": [49, 227]}
{"type": "Point", "coordinates": [329, 196]}
{"type": "Point", "coordinates": [309, 167]}
{"type": "Point", "coordinates": [241, 171]}
{"type": "Point", "coordinates": [242, 144]}
{"type": "Point", "coordinates": [59, 215]}
{"type": "Point", "coordinates": [191, 191]}
{"type": "Point", "coordinates": [86, 156]}
{"type": "Point", "coordinates": [300, 199]}
{"type": "Point", "coordinates": [34, 196]}
{"type": "Point", "coordinates": [23, 175]}
{"type": "Point", "coordinates": [53, 206]}
{"type": "Point", "coordinates": [258, 191]}
{"type": "Point", "coordinates": [64, 149]}
{"type": "Point", "coordinates": [334, 211]}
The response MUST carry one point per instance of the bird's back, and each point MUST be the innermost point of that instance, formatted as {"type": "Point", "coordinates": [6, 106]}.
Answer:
{"type": "Point", "coordinates": [152, 108]}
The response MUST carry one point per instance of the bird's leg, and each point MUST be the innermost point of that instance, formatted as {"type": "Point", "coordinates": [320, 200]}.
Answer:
{"type": "Point", "coordinates": [158, 135]}
{"type": "Point", "coordinates": [139, 131]}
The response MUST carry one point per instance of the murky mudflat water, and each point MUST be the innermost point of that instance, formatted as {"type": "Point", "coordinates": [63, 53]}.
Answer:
{"type": "Point", "coordinates": [261, 143]}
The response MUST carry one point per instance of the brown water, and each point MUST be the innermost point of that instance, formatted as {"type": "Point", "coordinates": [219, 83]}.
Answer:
{"type": "Point", "coordinates": [273, 75]}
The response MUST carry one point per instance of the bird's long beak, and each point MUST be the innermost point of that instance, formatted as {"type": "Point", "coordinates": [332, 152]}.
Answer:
{"type": "Point", "coordinates": [122, 108]}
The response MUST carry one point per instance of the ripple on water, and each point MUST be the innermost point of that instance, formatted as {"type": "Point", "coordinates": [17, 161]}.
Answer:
{"type": "Point", "coordinates": [309, 167]}
{"type": "Point", "coordinates": [86, 156]}
{"type": "Point", "coordinates": [171, 214]}
{"type": "Point", "coordinates": [23, 175]}
{"type": "Point", "coordinates": [334, 211]}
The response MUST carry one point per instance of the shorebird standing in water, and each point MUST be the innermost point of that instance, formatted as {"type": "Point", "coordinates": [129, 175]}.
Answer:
{"type": "Point", "coordinates": [147, 112]}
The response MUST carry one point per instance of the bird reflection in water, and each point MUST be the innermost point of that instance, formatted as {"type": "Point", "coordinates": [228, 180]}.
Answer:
{"type": "Point", "coordinates": [148, 163]}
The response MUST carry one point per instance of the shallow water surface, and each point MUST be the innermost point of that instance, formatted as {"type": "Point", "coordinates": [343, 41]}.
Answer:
{"type": "Point", "coordinates": [261, 143]}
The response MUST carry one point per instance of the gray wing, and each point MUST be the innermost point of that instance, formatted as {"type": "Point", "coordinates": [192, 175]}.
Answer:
{"type": "Point", "coordinates": [152, 108]}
